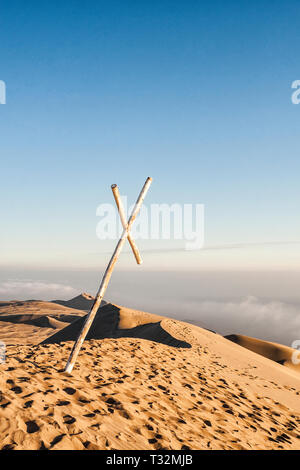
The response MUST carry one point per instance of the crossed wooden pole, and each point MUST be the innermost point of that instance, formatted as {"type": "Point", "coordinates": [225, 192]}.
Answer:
{"type": "Point", "coordinates": [108, 272]}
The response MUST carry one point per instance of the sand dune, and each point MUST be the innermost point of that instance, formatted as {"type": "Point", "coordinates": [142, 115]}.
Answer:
{"type": "Point", "coordinates": [128, 392]}
{"type": "Point", "coordinates": [113, 321]}
{"type": "Point", "coordinates": [44, 321]}
{"type": "Point", "coordinates": [29, 322]}
{"type": "Point", "coordinates": [274, 351]}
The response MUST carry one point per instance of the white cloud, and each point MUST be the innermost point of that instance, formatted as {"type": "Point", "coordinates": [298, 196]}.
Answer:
{"type": "Point", "coordinates": [30, 289]}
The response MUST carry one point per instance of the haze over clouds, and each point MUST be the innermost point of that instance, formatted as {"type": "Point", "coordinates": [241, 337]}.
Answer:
{"type": "Point", "coordinates": [269, 320]}
{"type": "Point", "coordinates": [234, 311]}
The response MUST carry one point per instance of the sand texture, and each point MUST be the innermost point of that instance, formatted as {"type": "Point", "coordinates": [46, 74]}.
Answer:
{"type": "Point", "coordinates": [143, 381]}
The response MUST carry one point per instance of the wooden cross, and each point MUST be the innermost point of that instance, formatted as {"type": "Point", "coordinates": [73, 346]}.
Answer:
{"type": "Point", "coordinates": [108, 272]}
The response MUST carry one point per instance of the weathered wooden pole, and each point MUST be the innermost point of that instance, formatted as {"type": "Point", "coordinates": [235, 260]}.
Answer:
{"type": "Point", "coordinates": [118, 200]}
{"type": "Point", "coordinates": [105, 280]}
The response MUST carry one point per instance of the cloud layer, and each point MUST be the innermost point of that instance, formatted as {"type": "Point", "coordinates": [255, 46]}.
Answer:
{"type": "Point", "coordinates": [270, 320]}
{"type": "Point", "coordinates": [265, 305]}
{"type": "Point", "coordinates": [32, 289]}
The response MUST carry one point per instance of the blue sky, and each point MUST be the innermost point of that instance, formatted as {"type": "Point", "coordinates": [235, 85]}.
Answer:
{"type": "Point", "coordinates": [195, 94]}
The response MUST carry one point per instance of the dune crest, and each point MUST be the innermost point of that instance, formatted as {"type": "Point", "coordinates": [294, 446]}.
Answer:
{"type": "Point", "coordinates": [134, 324]}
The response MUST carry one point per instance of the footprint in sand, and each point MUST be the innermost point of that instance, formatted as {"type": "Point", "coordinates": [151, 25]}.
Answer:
{"type": "Point", "coordinates": [32, 427]}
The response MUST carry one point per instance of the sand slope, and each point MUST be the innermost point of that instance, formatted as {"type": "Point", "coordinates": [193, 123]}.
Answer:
{"type": "Point", "coordinates": [133, 393]}
{"type": "Point", "coordinates": [274, 351]}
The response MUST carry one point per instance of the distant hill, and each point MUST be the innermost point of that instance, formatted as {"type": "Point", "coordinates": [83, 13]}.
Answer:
{"type": "Point", "coordinates": [31, 321]}
{"type": "Point", "coordinates": [83, 301]}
